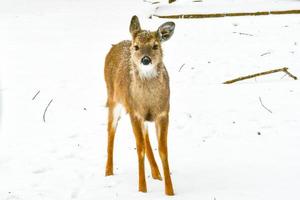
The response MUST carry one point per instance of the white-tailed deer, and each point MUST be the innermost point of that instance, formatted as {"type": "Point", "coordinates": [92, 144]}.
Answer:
{"type": "Point", "coordinates": [137, 80]}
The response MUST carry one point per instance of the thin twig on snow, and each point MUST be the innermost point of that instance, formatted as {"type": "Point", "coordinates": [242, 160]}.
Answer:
{"type": "Point", "coordinates": [267, 53]}
{"type": "Point", "coordinates": [44, 115]}
{"type": "Point", "coordinates": [36, 95]}
{"type": "Point", "coordinates": [181, 67]}
{"type": "Point", "coordinates": [261, 103]}
{"type": "Point", "coordinates": [240, 33]}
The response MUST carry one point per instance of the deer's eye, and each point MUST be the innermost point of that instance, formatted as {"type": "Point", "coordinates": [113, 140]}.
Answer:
{"type": "Point", "coordinates": [155, 47]}
{"type": "Point", "coordinates": [136, 47]}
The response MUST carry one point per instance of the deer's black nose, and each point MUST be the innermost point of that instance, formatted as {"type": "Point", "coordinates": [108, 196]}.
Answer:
{"type": "Point", "coordinates": [146, 60]}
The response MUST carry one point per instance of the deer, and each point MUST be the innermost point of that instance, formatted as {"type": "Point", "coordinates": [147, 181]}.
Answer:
{"type": "Point", "coordinates": [137, 82]}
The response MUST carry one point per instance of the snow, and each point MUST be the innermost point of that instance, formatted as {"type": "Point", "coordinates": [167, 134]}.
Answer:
{"type": "Point", "coordinates": [222, 143]}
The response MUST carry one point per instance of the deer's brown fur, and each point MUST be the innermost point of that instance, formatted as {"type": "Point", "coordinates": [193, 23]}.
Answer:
{"type": "Point", "coordinates": [143, 90]}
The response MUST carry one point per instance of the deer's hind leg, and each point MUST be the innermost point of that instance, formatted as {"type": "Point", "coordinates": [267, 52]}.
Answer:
{"type": "Point", "coordinates": [113, 118]}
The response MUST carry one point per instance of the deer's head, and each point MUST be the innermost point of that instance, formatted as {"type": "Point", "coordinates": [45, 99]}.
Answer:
{"type": "Point", "coordinates": [146, 50]}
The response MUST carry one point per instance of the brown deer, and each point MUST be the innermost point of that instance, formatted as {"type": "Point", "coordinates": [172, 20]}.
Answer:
{"type": "Point", "coordinates": [137, 80]}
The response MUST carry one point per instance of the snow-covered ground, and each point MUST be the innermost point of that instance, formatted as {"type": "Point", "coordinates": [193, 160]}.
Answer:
{"type": "Point", "coordinates": [223, 143]}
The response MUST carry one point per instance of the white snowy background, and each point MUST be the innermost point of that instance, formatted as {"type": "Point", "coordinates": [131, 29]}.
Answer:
{"type": "Point", "coordinates": [222, 143]}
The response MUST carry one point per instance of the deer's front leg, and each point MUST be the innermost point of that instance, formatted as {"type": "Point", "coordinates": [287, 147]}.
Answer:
{"type": "Point", "coordinates": [140, 147]}
{"type": "Point", "coordinates": [149, 153]}
{"type": "Point", "coordinates": [162, 133]}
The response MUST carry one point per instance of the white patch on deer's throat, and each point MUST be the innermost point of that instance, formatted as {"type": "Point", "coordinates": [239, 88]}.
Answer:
{"type": "Point", "coordinates": [117, 112]}
{"type": "Point", "coordinates": [147, 71]}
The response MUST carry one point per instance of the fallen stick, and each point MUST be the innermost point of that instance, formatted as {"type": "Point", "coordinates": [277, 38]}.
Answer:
{"type": "Point", "coordinates": [285, 69]}
{"type": "Point", "coordinates": [44, 115]}
{"type": "Point", "coordinates": [215, 15]}
{"type": "Point", "coordinates": [288, 73]}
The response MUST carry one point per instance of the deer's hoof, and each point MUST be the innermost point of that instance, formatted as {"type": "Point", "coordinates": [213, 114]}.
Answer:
{"type": "Point", "coordinates": [109, 173]}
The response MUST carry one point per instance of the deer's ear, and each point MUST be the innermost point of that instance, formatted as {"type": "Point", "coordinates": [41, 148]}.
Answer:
{"type": "Point", "coordinates": [165, 31]}
{"type": "Point", "coordinates": [134, 25]}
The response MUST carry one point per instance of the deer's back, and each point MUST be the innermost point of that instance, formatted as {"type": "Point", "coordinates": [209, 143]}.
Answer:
{"type": "Point", "coordinates": [117, 67]}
